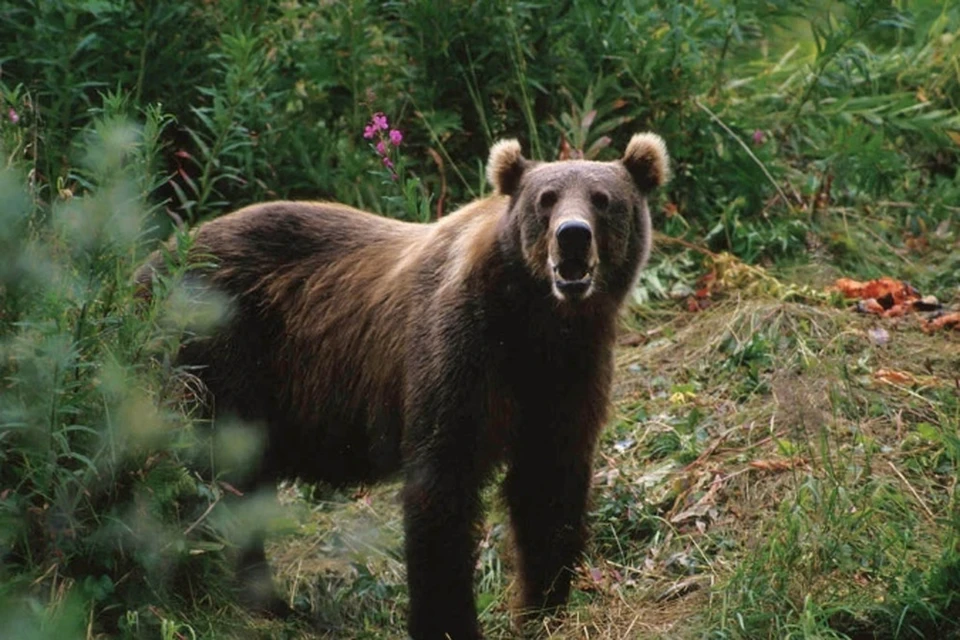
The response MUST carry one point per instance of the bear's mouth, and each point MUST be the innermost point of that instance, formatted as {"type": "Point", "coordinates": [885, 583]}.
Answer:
{"type": "Point", "coordinates": [572, 270]}
{"type": "Point", "coordinates": [573, 278]}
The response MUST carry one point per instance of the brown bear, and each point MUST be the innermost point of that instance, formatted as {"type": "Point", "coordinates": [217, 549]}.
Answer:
{"type": "Point", "coordinates": [370, 348]}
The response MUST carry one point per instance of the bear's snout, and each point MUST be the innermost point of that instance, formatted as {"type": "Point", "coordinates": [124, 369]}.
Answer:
{"type": "Point", "coordinates": [574, 238]}
{"type": "Point", "coordinates": [573, 260]}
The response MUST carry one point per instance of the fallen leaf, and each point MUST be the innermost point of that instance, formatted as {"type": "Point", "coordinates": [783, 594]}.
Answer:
{"type": "Point", "coordinates": [656, 475]}
{"type": "Point", "coordinates": [894, 377]}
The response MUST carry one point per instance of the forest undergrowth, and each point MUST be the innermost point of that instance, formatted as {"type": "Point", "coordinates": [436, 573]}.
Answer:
{"type": "Point", "coordinates": [782, 458]}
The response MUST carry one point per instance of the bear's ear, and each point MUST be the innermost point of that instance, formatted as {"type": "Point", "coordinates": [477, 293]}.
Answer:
{"type": "Point", "coordinates": [647, 161]}
{"type": "Point", "coordinates": [506, 166]}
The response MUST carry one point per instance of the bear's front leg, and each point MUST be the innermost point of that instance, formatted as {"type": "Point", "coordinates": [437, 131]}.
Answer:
{"type": "Point", "coordinates": [546, 492]}
{"type": "Point", "coordinates": [441, 510]}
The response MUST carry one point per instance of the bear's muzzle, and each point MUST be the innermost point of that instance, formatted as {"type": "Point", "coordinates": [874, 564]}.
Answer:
{"type": "Point", "coordinates": [575, 260]}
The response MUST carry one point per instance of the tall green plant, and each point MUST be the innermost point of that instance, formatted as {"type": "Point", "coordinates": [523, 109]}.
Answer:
{"type": "Point", "coordinates": [93, 433]}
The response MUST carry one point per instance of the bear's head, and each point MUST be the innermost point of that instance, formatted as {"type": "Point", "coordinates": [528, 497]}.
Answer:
{"type": "Point", "coordinates": [581, 226]}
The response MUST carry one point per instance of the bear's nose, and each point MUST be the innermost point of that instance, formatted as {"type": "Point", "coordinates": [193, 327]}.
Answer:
{"type": "Point", "coordinates": [574, 237]}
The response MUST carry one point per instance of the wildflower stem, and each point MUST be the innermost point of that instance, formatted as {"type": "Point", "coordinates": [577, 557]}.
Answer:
{"type": "Point", "coordinates": [716, 118]}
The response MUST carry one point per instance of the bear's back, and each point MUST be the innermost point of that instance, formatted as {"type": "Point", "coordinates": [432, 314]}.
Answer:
{"type": "Point", "coordinates": [290, 234]}
{"type": "Point", "coordinates": [323, 301]}
{"type": "Point", "coordinates": [307, 282]}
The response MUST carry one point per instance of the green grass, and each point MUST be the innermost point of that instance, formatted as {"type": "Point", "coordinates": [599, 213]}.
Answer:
{"type": "Point", "coordinates": [758, 478]}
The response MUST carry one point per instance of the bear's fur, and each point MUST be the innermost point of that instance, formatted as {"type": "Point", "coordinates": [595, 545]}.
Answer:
{"type": "Point", "coordinates": [369, 347]}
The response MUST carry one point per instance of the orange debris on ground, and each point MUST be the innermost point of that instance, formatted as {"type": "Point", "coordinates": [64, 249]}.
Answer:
{"type": "Point", "coordinates": [907, 379]}
{"type": "Point", "coordinates": [896, 377]}
{"type": "Point", "coordinates": [891, 298]}
{"type": "Point", "coordinates": [946, 321]}
{"type": "Point", "coordinates": [700, 299]}
{"type": "Point", "coordinates": [883, 297]}
{"type": "Point", "coordinates": [897, 290]}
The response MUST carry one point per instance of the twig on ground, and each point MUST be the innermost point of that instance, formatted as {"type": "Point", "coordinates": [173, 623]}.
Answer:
{"type": "Point", "coordinates": [712, 448]}
{"type": "Point", "coordinates": [913, 491]}
{"type": "Point", "coordinates": [662, 237]}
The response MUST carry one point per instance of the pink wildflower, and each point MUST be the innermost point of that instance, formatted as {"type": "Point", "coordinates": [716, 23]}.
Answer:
{"type": "Point", "coordinates": [13, 115]}
{"type": "Point", "coordinates": [377, 129]}
{"type": "Point", "coordinates": [758, 137]}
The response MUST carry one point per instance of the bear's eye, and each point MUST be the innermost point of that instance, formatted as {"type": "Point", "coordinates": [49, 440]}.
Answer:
{"type": "Point", "coordinates": [548, 199]}
{"type": "Point", "coordinates": [599, 200]}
